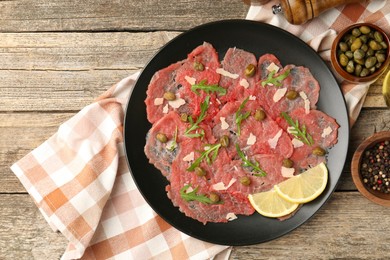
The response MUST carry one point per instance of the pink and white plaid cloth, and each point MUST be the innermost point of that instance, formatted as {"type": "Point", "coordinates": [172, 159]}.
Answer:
{"type": "Point", "coordinates": [80, 181]}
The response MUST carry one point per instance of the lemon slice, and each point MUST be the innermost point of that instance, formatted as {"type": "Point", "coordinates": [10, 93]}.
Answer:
{"type": "Point", "coordinates": [304, 187]}
{"type": "Point", "coordinates": [386, 89]}
{"type": "Point", "coordinates": [270, 204]}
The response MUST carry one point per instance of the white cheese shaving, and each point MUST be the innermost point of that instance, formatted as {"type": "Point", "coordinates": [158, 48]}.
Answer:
{"type": "Point", "coordinates": [235, 168]}
{"type": "Point", "coordinates": [178, 102]}
{"type": "Point", "coordinates": [218, 101]}
{"type": "Point", "coordinates": [273, 67]}
{"type": "Point", "coordinates": [326, 132]}
{"type": "Point", "coordinates": [279, 94]}
{"type": "Point", "coordinates": [226, 73]}
{"type": "Point", "coordinates": [231, 216]}
{"type": "Point", "coordinates": [287, 172]}
{"type": "Point", "coordinates": [297, 143]}
{"type": "Point", "coordinates": [158, 101]}
{"type": "Point", "coordinates": [306, 100]}
{"type": "Point", "coordinates": [171, 144]}
{"type": "Point", "coordinates": [244, 83]}
{"type": "Point", "coordinates": [189, 189]}
{"type": "Point", "coordinates": [165, 109]}
{"type": "Point", "coordinates": [189, 157]}
{"type": "Point", "coordinates": [224, 125]}
{"type": "Point", "coordinates": [273, 142]}
{"type": "Point", "coordinates": [221, 185]}
{"type": "Point", "coordinates": [251, 139]}
{"type": "Point", "coordinates": [252, 97]}
{"type": "Point", "coordinates": [190, 80]}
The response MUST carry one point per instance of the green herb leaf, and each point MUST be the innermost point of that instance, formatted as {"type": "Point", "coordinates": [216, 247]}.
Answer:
{"type": "Point", "coordinates": [240, 116]}
{"type": "Point", "coordinates": [276, 81]}
{"type": "Point", "coordinates": [191, 196]}
{"type": "Point", "coordinates": [195, 125]}
{"type": "Point", "coordinates": [247, 163]}
{"type": "Point", "coordinates": [298, 132]}
{"type": "Point", "coordinates": [212, 149]}
{"type": "Point", "coordinates": [208, 88]}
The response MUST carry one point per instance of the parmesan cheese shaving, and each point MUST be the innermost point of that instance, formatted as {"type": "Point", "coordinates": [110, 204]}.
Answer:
{"type": "Point", "coordinates": [158, 101]}
{"type": "Point", "coordinates": [231, 216]}
{"type": "Point", "coordinates": [326, 132]}
{"type": "Point", "coordinates": [190, 80]}
{"type": "Point", "coordinates": [297, 143]}
{"type": "Point", "coordinates": [189, 157]}
{"type": "Point", "coordinates": [287, 172]}
{"type": "Point", "coordinates": [306, 100]}
{"type": "Point", "coordinates": [279, 94]}
{"type": "Point", "coordinates": [244, 83]}
{"type": "Point", "coordinates": [252, 97]}
{"type": "Point", "coordinates": [251, 139]}
{"type": "Point", "coordinates": [221, 185]}
{"type": "Point", "coordinates": [273, 142]}
{"type": "Point", "coordinates": [165, 109]}
{"type": "Point", "coordinates": [224, 125]}
{"type": "Point", "coordinates": [273, 67]}
{"type": "Point", "coordinates": [226, 73]}
{"type": "Point", "coordinates": [178, 102]}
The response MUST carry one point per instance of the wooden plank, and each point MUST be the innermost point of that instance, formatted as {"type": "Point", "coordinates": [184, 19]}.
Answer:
{"type": "Point", "coordinates": [347, 226]}
{"type": "Point", "coordinates": [22, 132]}
{"type": "Point", "coordinates": [97, 15]}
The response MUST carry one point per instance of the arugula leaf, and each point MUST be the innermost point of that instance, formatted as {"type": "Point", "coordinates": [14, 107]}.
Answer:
{"type": "Point", "coordinates": [247, 163]}
{"type": "Point", "coordinates": [208, 88]}
{"type": "Point", "coordinates": [211, 149]}
{"type": "Point", "coordinates": [240, 117]}
{"type": "Point", "coordinates": [298, 132]}
{"type": "Point", "coordinates": [191, 196]}
{"type": "Point", "coordinates": [195, 125]}
{"type": "Point", "coordinates": [277, 81]}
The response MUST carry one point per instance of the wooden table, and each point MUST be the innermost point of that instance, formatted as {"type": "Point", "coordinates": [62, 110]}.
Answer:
{"type": "Point", "coordinates": [57, 56]}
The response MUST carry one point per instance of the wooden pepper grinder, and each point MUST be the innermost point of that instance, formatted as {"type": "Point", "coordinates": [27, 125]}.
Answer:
{"type": "Point", "coordinates": [300, 11]}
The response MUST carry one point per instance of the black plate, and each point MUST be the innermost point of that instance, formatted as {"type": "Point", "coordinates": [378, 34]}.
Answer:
{"type": "Point", "coordinates": [258, 38]}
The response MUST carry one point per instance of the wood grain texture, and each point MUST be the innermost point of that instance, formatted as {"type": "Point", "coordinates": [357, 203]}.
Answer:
{"type": "Point", "coordinates": [114, 15]}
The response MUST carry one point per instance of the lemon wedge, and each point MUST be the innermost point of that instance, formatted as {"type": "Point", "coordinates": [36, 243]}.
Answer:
{"type": "Point", "coordinates": [304, 187]}
{"type": "Point", "coordinates": [386, 89]}
{"type": "Point", "coordinates": [270, 204]}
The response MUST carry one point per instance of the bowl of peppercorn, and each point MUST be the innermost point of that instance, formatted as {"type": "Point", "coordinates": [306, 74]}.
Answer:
{"type": "Point", "coordinates": [370, 168]}
{"type": "Point", "coordinates": [360, 53]}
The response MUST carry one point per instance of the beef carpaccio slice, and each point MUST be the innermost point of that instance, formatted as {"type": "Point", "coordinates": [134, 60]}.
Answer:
{"type": "Point", "coordinates": [266, 143]}
{"type": "Point", "coordinates": [177, 78]}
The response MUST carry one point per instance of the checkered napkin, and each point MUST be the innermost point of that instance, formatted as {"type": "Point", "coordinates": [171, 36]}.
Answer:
{"type": "Point", "coordinates": [80, 181]}
{"type": "Point", "coordinates": [320, 32]}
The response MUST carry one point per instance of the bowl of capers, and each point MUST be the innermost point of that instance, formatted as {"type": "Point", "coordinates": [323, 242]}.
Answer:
{"type": "Point", "coordinates": [360, 52]}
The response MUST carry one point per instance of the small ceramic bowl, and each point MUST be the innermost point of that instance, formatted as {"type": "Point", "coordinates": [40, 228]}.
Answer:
{"type": "Point", "coordinates": [376, 196]}
{"type": "Point", "coordinates": [335, 53]}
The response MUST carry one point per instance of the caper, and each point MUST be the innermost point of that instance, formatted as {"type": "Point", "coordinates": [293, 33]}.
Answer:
{"type": "Point", "coordinates": [291, 94]}
{"type": "Point", "coordinates": [364, 47]}
{"type": "Point", "coordinates": [199, 171]}
{"type": "Point", "coordinates": [356, 32]}
{"type": "Point", "coordinates": [378, 65]}
{"type": "Point", "coordinates": [184, 117]}
{"type": "Point", "coordinates": [359, 61]}
{"type": "Point", "coordinates": [350, 40]}
{"type": "Point", "coordinates": [250, 70]}
{"type": "Point", "coordinates": [358, 69]}
{"type": "Point", "coordinates": [365, 29]}
{"type": "Point", "coordinates": [364, 38]}
{"type": "Point", "coordinates": [380, 57]}
{"type": "Point", "coordinates": [364, 72]}
{"type": "Point", "coordinates": [170, 96]}
{"type": "Point", "coordinates": [370, 52]}
{"type": "Point", "coordinates": [318, 151]}
{"type": "Point", "coordinates": [375, 45]}
{"type": "Point", "coordinates": [260, 115]}
{"type": "Point", "coordinates": [370, 62]}
{"type": "Point", "coordinates": [356, 44]}
{"type": "Point", "coordinates": [372, 69]}
{"type": "Point", "coordinates": [350, 67]}
{"type": "Point", "coordinates": [287, 163]}
{"type": "Point", "coordinates": [343, 46]}
{"type": "Point", "coordinates": [198, 66]}
{"type": "Point", "coordinates": [359, 54]}
{"type": "Point", "coordinates": [224, 140]}
{"type": "Point", "coordinates": [214, 197]}
{"type": "Point", "coordinates": [162, 137]}
{"type": "Point", "coordinates": [378, 36]}
{"type": "Point", "coordinates": [384, 45]}
{"type": "Point", "coordinates": [245, 181]}
{"type": "Point", "coordinates": [349, 54]}
{"type": "Point", "coordinates": [343, 59]}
